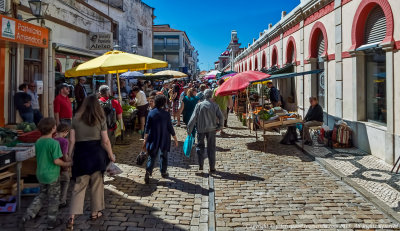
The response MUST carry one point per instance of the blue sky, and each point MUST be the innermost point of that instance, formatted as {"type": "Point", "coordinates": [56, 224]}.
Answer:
{"type": "Point", "coordinates": [208, 23]}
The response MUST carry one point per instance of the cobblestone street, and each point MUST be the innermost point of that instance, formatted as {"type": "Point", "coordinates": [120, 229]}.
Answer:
{"type": "Point", "coordinates": [251, 190]}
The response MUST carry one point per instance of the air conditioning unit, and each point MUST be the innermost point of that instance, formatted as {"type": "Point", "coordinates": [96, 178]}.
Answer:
{"type": "Point", "coordinates": [3, 5]}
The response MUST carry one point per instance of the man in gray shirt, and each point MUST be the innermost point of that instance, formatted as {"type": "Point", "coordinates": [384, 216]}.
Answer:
{"type": "Point", "coordinates": [205, 118]}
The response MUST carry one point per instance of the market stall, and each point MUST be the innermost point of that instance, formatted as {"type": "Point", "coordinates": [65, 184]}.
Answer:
{"type": "Point", "coordinates": [17, 165]}
{"type": "Point", "coordinates": [267, 118]}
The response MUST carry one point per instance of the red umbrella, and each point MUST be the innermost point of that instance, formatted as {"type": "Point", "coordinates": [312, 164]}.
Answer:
{"type": "Point", "coordinates": [240, 82]}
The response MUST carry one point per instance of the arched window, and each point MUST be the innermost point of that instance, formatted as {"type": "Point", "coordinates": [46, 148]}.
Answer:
{"type": "Point", "coordinates": [375, 27]}
{"type": "Point", "coordinates": [291, 50]}
{"type": "Point", "coordinates": [369, 15]}
{"type": "Point", "coordinates": [256, 64]}
{"type": "Point", "coordinates": [274, 57]}
{"type": "Point", "coordinates": [263, 61]}
{"type": "Point", "coordinates": [318, 49]}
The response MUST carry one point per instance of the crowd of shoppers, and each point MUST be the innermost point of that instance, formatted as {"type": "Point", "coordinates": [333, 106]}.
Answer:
{"type": "Point", "coordinates": [79, 146]}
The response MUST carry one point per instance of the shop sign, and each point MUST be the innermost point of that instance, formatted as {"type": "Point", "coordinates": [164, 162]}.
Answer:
{"type": "Point", "coordinates": [100, 41]}
{"type": "Point", "coordinates": [22, 32]}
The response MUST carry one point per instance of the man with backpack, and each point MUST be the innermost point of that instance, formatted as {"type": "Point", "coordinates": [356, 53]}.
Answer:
{"type": "Point", "coordinates": [112, 110]}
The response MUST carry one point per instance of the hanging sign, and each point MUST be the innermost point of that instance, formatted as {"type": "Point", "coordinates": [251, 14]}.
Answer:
{"type": "Point", "coordinates": [18, 31]}
{"type": "Point", "coordinates": [100, 41]}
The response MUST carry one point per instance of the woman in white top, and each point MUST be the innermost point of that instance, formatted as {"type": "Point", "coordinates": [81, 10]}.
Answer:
{"type": "Point", "coordinates": [142, 106]}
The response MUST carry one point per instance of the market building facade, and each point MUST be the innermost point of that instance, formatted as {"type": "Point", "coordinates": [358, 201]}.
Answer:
{"type": "Point", "coordinates": [356, 43]}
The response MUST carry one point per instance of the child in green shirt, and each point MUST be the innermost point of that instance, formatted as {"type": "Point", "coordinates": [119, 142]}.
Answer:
{"type": "Point", "coordinates": [48, 158]}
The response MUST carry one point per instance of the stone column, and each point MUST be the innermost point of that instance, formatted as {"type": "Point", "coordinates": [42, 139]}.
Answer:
{"type": "Point", "coordinates": [390, 88]}
{"type": "Point", "coordinates": [359, 108]}
{"type": "Point", "coordinates": [301, 79]}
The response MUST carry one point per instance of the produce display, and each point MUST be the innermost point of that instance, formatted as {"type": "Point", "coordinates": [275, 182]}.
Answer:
{"type": "Point", "coordinates": [127, 110]}
{"type": "Point", "coordinates": [7, 136]}
{"type": "Point", "coordinates": [265, 114]}
{"type": "Point", "coordinates": [26, 127]}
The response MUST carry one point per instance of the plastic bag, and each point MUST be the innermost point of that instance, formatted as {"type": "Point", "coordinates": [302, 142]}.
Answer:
{"type": "Point", "coordinates": [113, 170]}
{"type": "Point", "coordinates": [187, 146]}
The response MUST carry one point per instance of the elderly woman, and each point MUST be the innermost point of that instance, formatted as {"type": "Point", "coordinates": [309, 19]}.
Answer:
{"type": "Point", "coordinates": [92, 152]}
{"type": "Point", "coordinates": [157, 139]}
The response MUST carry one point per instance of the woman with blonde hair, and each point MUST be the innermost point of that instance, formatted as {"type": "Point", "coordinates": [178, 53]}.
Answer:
{"type": "Point", "coordinates": [91, 149]}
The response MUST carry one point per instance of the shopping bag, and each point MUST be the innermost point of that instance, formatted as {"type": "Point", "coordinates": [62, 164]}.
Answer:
{"type": "Point", "coordinates": [187, 146]}
{"type": "Point", "coordinates": [141, 158]}
{"type": "Point", "coordinates": [118, 130]}
{"type": "Point", "coordinates": [113, 170]}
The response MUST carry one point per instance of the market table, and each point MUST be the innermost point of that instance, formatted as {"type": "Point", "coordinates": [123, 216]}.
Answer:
{"type": "Point", "coordinates": [278, 124]}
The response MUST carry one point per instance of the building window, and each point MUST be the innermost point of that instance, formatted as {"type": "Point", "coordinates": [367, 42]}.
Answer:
{"type": "Point", "coordinates": [375, 67]}
{"type": "Point", "coordinates": [115, 32]}
{"type": "Point", "coordinates": [375, 83]}
{"type": "Point", "coordinates": [140, 38]}
{"type": "Point", "coordinates": [321, 77]}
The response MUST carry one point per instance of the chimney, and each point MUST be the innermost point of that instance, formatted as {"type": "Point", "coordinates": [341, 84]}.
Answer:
{"type": "Point", "coordinates": [270, 26]}
{"type": "Point", "coordinates": [254, 40]}
{"type": "Point", "coordinates": [261, 33]}
{"type": "Point", "coordinates": [248, 45]}
{"type": "Point", "coordinates": [283, 14]}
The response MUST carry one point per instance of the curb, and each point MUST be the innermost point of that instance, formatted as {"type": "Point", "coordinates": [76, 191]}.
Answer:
{"type": "Point", "coordinates": [393, 215]}
{"type": "Point", "coordinates": [211, 203]}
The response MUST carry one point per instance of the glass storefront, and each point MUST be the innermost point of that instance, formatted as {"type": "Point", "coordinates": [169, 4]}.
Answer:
{"type": "Point", "coordinates": [321, 85]}
{"type": "Point", "coordinates": [375, 81]}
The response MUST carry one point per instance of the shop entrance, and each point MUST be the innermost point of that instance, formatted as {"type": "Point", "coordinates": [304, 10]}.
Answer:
{"type": "Point", "coordinates": [32, 64]}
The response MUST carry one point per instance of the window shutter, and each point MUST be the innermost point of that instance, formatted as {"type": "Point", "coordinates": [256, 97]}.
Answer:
{"type": "Point", "coordinates": [321, 45]}
{"type": "Point", "coordinates": [2, 5]}
{"type": "Point", "coordinates": [375, 27]}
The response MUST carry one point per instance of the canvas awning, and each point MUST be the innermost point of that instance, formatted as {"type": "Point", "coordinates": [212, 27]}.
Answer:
{"type": "Point", "coordinates": [288, 75]}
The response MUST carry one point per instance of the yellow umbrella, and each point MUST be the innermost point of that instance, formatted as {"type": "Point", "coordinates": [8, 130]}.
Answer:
{"type": "Point", "coordinates": [115, 62]}
{"type": "Point", "coordinates": [148, 74]}
{"type": "Point", "coordinates": [176, 74]}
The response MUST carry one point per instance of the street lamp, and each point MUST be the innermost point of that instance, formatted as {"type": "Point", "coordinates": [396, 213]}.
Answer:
{"type": "Point", "coordinates": [38, 8]}
{"type": "Point", "coordinates": [134, 49]}
{"type": "Point", "coordinates": [116, 47]}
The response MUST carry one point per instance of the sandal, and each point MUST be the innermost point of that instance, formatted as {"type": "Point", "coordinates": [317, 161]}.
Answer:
{"type": "Point", "coordinates": [70, 224]}
{"type": "Point", "coordinates": [97, 216]}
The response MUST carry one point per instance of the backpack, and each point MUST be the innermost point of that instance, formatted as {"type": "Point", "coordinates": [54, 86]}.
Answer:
{"type": "Point", "coordinates": [109, 111]}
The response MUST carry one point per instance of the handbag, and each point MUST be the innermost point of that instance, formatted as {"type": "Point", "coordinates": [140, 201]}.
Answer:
{"type": "Point", "coordinates": [141, 158]}
{"type": "Point", "coordinates": [188, 145]}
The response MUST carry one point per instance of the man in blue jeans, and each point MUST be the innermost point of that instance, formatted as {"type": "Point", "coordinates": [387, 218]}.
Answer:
{"type": "Point", "coordinates": [208, 119]}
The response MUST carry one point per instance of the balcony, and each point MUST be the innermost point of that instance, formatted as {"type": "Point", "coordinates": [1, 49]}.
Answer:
{"type": "Point", "coordinates": [166, 47]}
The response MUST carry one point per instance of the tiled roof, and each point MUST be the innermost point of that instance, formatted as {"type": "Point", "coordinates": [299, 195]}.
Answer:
{"type": "Point", "coordinates": [164, 28]}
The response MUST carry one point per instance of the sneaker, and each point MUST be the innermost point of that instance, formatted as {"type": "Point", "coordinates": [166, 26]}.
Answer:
{"type": "Point", "coordinates": [54, 224]}
{"type": "Point", "coordinates": [213, 171]}
{"type": "Point", "coordinates": [147, 178]}
{"type": "Point", "coordinates": [164, 175]}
